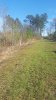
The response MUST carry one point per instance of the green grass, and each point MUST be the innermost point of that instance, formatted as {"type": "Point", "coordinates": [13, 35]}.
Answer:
{"type": "Point", "coordinates": [30, 74]}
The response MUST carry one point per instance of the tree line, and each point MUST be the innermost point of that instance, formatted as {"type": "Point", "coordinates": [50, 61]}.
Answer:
{"type": "Point", "coordinates": [52, 30]}
{"type": "Point", "coordinates": [14, 31]}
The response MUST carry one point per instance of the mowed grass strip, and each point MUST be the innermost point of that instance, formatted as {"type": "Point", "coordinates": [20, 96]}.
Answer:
{"type": "Point", "coordinates": [30, 74]}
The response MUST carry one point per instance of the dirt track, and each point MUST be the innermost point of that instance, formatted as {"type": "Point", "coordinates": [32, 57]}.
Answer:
{"type": "Point", "coordinates": [8, 52]}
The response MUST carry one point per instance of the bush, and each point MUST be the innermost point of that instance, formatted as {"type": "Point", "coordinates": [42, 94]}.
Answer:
{"type": "Point", "coordinates": [52, 36]}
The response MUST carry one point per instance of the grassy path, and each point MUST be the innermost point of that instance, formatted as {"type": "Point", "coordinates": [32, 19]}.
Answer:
{"type": "Point", "coordinates": [30, 74]}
